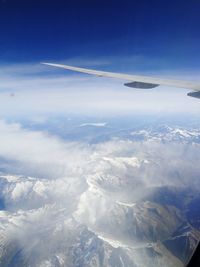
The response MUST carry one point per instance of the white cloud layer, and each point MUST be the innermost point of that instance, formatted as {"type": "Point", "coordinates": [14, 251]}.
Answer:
{"type": "Point", "coordinates": [33, 89]}
{"type": "Point", "coordinates": [38, 151]}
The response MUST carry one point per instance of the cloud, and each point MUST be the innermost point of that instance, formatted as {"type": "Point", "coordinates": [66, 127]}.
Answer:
{"type": "Point", "coordinates": [35, 151]}
{"type": "Point", "coordinates": [53, 157]}
{"type": "Point", "coordinates": [38, 90]}
{"type": "Point", "coordinates": [76, 184]}
{"type": "Point", "coordinates": [108, 166]}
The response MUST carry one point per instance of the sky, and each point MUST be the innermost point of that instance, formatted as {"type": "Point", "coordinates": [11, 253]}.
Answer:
{"type": "Point", "coordinates": [150, 37]}
{"type": "Point", "coordinates": [158, 38]}
{"type": "Point", "coordinates": [163, 31]}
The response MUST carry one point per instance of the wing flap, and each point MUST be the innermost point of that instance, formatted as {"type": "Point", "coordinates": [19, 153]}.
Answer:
{"type": "Point", "coordinates": [141, 85]}
{"type": "Point", "coordinates": [194, 94]}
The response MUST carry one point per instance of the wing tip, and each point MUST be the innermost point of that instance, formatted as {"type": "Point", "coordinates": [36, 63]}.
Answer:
{"type": "Point", "coordinates": [46, 63]}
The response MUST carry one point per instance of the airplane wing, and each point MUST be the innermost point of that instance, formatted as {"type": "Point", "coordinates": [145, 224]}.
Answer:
{"type": "Point", "coordinates": [137, 81]}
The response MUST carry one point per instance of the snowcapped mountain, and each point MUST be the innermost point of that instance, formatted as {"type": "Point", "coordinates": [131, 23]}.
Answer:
{"type": "Point", "coordinates": [130, 201]}
{"type": "Point", "coordinates": [166, 133]}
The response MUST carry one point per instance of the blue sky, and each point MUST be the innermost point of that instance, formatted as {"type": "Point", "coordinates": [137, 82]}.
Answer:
{"type": "Point", "coordinates": [40, 104]}
{"type": "Point", "coordinates": [166, 33]}
{"type": "Point", "coordinates": [158, 38]}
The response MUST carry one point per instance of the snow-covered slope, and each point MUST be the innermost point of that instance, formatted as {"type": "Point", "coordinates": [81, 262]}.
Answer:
{"type": "Point", "coordinates": [126, 204]}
